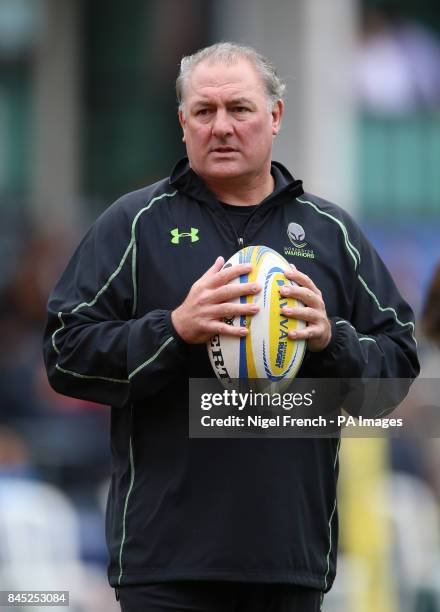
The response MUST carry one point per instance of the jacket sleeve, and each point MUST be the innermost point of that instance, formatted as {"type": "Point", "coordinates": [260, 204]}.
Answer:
{"type": "Point", "coordinates": [95, 347]}
{"type": "Point", "coordinates": [376, 342]}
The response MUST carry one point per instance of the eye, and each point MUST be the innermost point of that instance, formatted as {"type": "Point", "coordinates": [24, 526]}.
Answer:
{"type": "Point", "coordinates": [203, 112]}
{"type": "Point", "coordinates": [240, 109]}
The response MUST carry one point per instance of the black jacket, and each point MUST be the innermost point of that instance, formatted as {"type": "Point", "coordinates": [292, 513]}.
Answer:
{"type": "Point", "coordinates": [259, 510]}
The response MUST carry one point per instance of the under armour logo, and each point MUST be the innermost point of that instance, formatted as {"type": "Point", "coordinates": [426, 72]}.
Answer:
{"type": "Point", "coordinates": [176, 235]}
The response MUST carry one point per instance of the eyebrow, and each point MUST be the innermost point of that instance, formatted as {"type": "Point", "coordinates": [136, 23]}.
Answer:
{"type": "Point", "coordinates": [234, 102]}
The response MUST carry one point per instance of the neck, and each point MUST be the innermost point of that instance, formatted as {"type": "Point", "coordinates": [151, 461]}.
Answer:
{"type": "Point", "coordinates": [240, 192]}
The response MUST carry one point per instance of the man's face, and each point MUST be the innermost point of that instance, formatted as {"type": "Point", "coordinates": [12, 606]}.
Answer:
{"type": "Point", "coordinates": [227, 124]}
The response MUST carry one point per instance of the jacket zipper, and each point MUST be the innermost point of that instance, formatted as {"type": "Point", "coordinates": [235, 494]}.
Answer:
{"type": "Point", "coordinates": [240, 241]}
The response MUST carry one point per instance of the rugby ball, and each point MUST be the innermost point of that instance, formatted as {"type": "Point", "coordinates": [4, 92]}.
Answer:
{"type": "Point", "coordinates": [266, 352]}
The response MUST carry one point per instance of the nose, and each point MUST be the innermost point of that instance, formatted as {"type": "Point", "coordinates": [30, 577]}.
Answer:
{"type": "Point", "coordinates": [222, 125]}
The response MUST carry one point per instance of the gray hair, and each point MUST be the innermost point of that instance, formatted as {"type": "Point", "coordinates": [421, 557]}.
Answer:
{"type": "Point", "coordinates": [230, 53]}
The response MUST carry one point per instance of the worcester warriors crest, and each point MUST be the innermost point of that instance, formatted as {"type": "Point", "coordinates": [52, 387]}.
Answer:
{"type": "Point", "coordinates": [296, 235]}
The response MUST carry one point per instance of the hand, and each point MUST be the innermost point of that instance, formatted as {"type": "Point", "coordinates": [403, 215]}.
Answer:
{"type": "Point", "coordinates": [201, 315]}
{"type": "Point", "coordinates": [318, 332]}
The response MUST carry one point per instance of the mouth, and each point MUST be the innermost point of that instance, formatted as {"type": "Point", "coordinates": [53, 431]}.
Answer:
{"type": "Point", "coordinates": [224, 150]}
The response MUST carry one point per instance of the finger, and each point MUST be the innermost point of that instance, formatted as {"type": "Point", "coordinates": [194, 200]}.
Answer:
{"type": "Point", "coordinates": [226, 275]}
{"type": "Point", "coordinates": [230, 310]}
{"type": "Point", "coordinates": [305, 295]}
{"type": "Point", "coordinates": [308, 333]}
{"type": "Point", "coordinates": [304, 313]}
{"type": "Point", "coordinates": [227, 293]}
{"type": "Point", "coordinates": [302, 279]}
{"type": "Point", "coordinates": [218, 327]}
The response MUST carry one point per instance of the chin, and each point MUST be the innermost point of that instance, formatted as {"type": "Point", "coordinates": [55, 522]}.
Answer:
{"type": "Point", "coordinates": [223, 170]}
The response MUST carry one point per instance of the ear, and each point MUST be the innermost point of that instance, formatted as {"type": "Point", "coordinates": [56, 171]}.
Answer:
{"type": "Point", "coordinates": [182, 122]}
{"type": "Point", "coordinates": [277, 114]}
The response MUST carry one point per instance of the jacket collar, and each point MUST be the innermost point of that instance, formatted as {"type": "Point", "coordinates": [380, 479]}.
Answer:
{"type": "Point", "coordinates": [187, 181]}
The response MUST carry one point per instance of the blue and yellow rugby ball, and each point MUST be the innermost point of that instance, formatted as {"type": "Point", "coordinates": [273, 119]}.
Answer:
{"type": "Point", "coordinates": [266, 352]}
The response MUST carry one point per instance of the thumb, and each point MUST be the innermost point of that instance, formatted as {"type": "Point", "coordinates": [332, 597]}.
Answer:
{"type": "Point", "coordinates": [218, 264]}
{"type": "Point", "coordinates": [216, 267]}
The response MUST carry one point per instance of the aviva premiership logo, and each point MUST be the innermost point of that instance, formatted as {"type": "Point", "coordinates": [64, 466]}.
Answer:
{"type": "Point", "coordinates": [176, 235]}
{"type": "Point", "coordinates": [297, 236]}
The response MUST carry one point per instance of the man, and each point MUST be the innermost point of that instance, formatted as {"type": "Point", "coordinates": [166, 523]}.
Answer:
{"type": "Point", "coordinates": [430, 314]}
{"type": "Point", "coordinates": [230, 525]}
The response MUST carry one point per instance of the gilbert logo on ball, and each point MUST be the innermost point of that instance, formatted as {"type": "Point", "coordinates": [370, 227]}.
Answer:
{"type": "Point", "coordinates": [266, 352]}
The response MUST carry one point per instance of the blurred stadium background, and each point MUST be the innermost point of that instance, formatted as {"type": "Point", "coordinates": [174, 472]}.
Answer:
{"type": "Point", "coordinates": [87, 112]}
